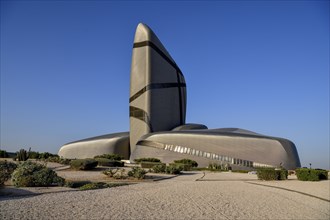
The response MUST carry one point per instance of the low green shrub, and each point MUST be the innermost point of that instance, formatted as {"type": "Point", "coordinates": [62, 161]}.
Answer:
{"type": "Point", "coordinates": [306, 174]}
{"type": "Point", "coordinates": [110, 156]}
{"type": "Point", "coordinates": [3, 154]}
{"type": "Point", "coordinates": [149, 164]}
{"type": "Point", "coordinates": [109, 163]}
{"type": "Point", "coordinates": [6, 169]}
{"type": "Point", "coordinates": [173, 169]}
{"type": "Point", "coordinates": [32, 174]}
{"type": "Point", "coordinates": [83, 164]}
{"type": "Point", "coordinates": [159, 168]}
{"type": "Point", "coordinates": [272, 174]}
{"type": "Point", "coordinates": [149, 159]}
{"type": "Point", "coordinates": [137, 173]}
{"type": "Point", "coordinates": [100, 185]}
{"type": "Point", "coordinates": [192, 163]}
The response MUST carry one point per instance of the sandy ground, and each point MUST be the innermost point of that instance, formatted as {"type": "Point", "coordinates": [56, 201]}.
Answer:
{"type": "Point", "coordinates": [213, 196]}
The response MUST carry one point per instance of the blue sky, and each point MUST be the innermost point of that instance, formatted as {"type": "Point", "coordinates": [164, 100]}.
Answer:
{"type": "Point", "coordinates": [256, 65]}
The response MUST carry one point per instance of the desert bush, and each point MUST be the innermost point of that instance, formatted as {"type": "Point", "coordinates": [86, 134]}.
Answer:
{"type": "Point", "coordinates": [159, 168]}
{"type": "Point", "coordinates": [75, 184]}
{"type": "Point", "coordinates": [110, 172]}
{"type": "Point", "coordinates": [46, 155]}
{"type": "Point", "coordinates": [173, 169]}
{"type": "Point", "coordinates": [6, 169]}
{"type": "Point", "coordinates": [183, 167]}
{"type": "Point", "coordinates": [3, 154]}
{"type": "Point", "coordinates": [33, 174]}
{"type": "Point", "coordinates": [57, 159]}
{"type": "Point", "coordinates": [22, 155]}
{"type": "Point", "coordinates": [109, 163]}
{"type": "Point", "coordinates": [34, 155]}
{"type": "Point", "coordinates": [214, 166]}
{"type": "Point", "coordinates": [110, 156]}
{"type": "Point", "coordinates": [42, 156]}
{"type": "Point", "coordinates": [240, 171]}
{"type": "Point", "coordinates": [149, 164]}
{"type": "Point", "coordinates": [116, 173]}
{"type": "Point", "coordinates": [83, 164]}
{"type": "Point", "coordinates": [187, 161]}
{"type": "Point", "coordinates": [306, 174]}
{"type": "Point", "coordinates": [272, 174]}
{"type": "Point", "coordinates": [149, 159]}
{"type": "Point", "coordinates": [65, 161]}
{"type": "Point", "coordinates": [137, 173]}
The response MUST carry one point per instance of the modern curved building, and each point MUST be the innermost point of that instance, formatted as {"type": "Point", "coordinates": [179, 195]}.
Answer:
{"type": "Point", "coordinates": [157, 107]}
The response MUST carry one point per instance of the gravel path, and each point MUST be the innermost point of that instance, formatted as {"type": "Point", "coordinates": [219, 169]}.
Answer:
{"type": "Point", "coordinates": [177, 198]}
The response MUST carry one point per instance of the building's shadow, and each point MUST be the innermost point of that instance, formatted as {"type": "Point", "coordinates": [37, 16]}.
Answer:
{"type": "Point", "coordinates": [10, 193]}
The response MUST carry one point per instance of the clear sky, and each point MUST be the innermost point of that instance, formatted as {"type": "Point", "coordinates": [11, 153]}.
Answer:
{"type": "Point", "coordinates": [256, 65]}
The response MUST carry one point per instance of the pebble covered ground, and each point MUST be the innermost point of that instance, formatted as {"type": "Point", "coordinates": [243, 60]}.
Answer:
{"type": "Point", "coordinates": [217, 196]}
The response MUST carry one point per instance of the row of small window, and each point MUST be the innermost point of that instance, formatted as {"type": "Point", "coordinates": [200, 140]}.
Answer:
{"type": "Point", "coordinates": [224, 159]}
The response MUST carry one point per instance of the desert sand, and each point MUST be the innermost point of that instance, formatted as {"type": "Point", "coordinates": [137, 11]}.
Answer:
{"type": "Point", "coordinates": [212, 196]}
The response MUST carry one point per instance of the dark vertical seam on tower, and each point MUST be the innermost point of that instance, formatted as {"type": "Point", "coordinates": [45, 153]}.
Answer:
{"type": "Point", "coordinates": [180, 98]}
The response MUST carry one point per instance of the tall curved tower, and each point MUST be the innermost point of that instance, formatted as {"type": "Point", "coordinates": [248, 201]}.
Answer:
{"type": "Point", "coordinates": [156, 79]}
{"type": "Point", "coordinates": [157, 107]}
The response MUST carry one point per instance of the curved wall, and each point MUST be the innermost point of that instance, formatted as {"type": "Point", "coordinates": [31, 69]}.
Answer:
{"type": "Point", "coordinates": [117, 143]}
{"type": "Point", "coordinates": [207, 146]}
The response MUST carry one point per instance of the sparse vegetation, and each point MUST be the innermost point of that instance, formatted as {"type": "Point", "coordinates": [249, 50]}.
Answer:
{"type": "Point", "coordinates": [173, 169]}
{"type": "Point", "coordinates": [306, 174]}
{"type": "Point", "coordinates": [159, 168]}
{"type": "Point", "coordinates": [187, 161]}
{"type": "Point", "coordinates": [76, 184]}
{"type": "Point", "coordinates": [116, 173]}
{"type": "Point", "coordinates": [182, 166]}
{"type": "Point", "coordinates": [6, 169]}
{"type": "Point", "coordinates": [22, 155]}
{"type": "Point", "coordinates": [100, 185]}
{"type": "Point", "coordinates": [109, 163]}
{"type": "Point", "coordinates": [149, 164]}
{"type": "Point", "coordinates": [32, 174]}
{"type": "Point", "coordinates": [110, 157]}
{"type": "Point", "coordinates": [137, 173]}
{"type": "Point", "coordinates": [240, 171]}
{"type": "Point", "coordinates": [57, 159]}
{"type": "Point", "coordinates": [83, 164]}
{"type": "Point", "coordinates": [3, 154]}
